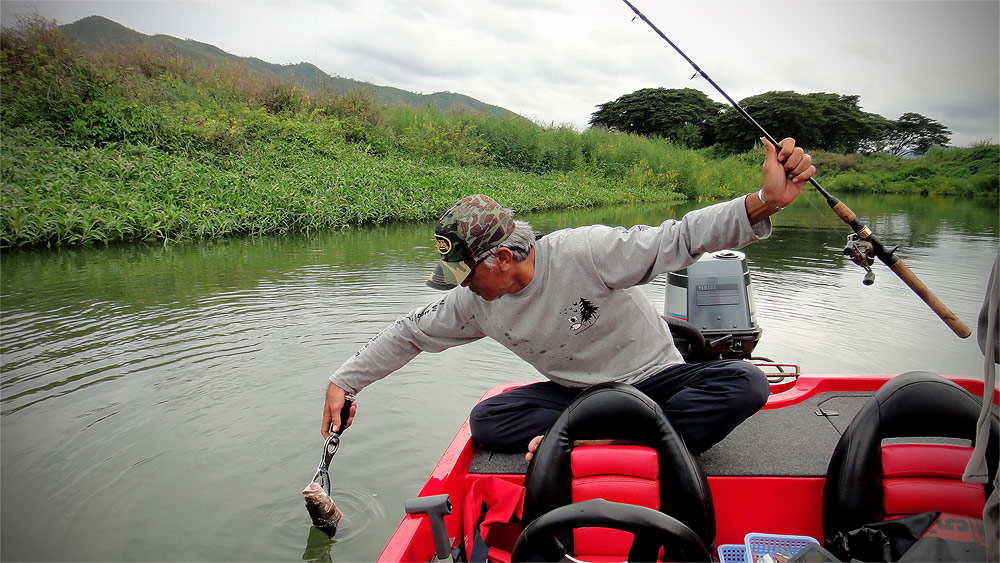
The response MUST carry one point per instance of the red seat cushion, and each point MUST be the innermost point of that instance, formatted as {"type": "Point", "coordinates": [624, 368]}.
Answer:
{"type": "Point", "coordinates": [924, 460]}
{"type": "Point", "coordinates": [626, 474]}
{"type": "Point", "coordinates": [928, 477]}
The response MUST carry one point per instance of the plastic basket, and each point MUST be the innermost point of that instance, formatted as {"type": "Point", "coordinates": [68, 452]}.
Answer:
{"type": "Point", "coordinates": [732, 553]}
{"type": "Point", "coordinates": [758, 545]}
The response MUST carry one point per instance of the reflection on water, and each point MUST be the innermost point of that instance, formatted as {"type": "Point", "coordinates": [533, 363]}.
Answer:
{"type": "Point", "coordinates": [164, 403]}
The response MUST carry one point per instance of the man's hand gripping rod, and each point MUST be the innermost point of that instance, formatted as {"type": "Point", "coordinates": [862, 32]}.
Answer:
{"type": "Point", "coordinates": [862, 232]}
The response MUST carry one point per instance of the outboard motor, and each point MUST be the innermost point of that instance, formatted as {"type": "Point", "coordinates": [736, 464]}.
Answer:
{"type": "Point", "coordinates": [709, 308]}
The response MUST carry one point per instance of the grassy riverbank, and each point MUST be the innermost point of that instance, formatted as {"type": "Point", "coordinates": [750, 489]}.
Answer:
{"type": "Point", "coordinates": [140, 145]}
{"type": "Point", "coordinates": [64, 195]}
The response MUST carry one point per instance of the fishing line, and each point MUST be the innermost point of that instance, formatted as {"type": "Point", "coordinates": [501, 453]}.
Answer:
{"type": "Point", "coordinates": [862, 243]}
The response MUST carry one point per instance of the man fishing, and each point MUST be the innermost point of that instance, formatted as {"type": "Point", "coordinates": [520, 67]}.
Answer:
{"type": "Point", "coordinates": [569, 305]}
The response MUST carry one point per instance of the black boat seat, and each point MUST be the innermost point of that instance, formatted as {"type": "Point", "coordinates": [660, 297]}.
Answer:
{"type": "Point", "coordinates": [899, 456]}
{"type": "Point", "coordinates": [652, 472]}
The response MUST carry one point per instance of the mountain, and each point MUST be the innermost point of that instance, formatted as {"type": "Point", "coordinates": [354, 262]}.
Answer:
{"type": "Point", "coordinates": [96, 32]}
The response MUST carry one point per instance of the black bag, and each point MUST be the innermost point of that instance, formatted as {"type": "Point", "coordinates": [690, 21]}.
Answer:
{"type": "Point", "coordinates": [930, 536]}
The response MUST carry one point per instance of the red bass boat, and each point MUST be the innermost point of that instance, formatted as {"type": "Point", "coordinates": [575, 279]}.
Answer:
{"type": "Point", "coordinates": [829, 463]}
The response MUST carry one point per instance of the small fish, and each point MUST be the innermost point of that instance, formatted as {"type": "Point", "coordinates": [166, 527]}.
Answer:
{"type": "Point", "coordinates": [324, 513]}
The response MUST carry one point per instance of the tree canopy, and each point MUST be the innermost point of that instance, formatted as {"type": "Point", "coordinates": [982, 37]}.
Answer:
{"type": "Point", "coordinates": [820, 120]}
{"type": "Point", "coordinates": [686, 116]}
{"type": "Point", "coordinates": [915, 133]}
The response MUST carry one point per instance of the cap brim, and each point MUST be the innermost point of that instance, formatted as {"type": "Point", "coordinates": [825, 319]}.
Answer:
{"type": "Point", "coordinates": [448, 275]}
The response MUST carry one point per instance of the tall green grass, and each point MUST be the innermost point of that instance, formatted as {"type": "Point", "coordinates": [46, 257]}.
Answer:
{"type": "Point", "coordinates": [969, 172]}
{"type": "Point", "coordinates": [136, 144]}
{"type": "Point", "coordinates": [63, 195]}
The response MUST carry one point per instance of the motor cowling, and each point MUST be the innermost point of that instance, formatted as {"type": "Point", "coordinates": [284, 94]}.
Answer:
{"type": "Point", "coordinates": [710, 310]}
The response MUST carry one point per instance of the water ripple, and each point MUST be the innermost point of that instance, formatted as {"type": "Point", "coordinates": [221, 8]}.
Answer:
{"type": "Point", "coordinates": [47, 353]}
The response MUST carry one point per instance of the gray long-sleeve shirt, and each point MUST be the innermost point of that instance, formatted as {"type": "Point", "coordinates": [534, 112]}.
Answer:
{"type": "Point", "coordinates": [581, 320]}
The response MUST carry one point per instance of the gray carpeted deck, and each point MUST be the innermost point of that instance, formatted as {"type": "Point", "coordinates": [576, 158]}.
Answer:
{"type": "Point", "coordinates": [794, 441]}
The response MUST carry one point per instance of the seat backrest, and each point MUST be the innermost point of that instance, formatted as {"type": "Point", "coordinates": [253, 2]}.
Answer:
{"type": "Point", "coordinates": [897, 457]}
{"type": "Point", "coordinates": [927, 477]}
{"type": "Point", "coordinates": [653, 468]}
{"type": "Point", "coordinates": [619, 473]}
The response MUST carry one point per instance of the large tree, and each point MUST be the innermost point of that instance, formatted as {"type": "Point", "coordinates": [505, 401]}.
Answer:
{"type": "Point", "coordinates": [842, 126]}
{"type": "Point", "coordinates": [819, 120]}
{"type": "Point", "coordinates": [915, 133]}
{"type": "Point", "coordinates": [880, 127]}
{"type": "Point", "coordinates": [783, 114]}
{"type": "Point", "coordinates": [686, 116]}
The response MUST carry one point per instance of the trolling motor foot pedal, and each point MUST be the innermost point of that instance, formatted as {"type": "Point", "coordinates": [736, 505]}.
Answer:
{"type": "Point", "coordinates": [435, 507]}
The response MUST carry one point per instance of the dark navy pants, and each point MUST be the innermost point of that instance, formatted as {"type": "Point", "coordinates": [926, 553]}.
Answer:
{"type": "Point", "coordinates": [704, 402]}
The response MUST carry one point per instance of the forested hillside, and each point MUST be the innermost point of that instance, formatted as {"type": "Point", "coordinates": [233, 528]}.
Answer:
{"type": "Point", "coordinates": [99, 33]}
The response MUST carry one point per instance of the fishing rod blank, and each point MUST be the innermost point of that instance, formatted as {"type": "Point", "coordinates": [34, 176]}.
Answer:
{"type": "Point", "coordinates": [863, 234]}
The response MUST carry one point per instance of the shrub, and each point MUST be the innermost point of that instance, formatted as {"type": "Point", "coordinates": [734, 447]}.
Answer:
{"type": "Point", "coordinates": [444, 142]}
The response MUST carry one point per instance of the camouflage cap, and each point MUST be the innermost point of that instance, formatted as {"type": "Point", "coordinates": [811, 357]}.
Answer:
{"type": "Point", "coordinates": [465, 234]}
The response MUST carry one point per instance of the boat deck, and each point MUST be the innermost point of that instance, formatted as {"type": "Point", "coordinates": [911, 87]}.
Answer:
{"type": "Point", "coordinates": [794, 441]}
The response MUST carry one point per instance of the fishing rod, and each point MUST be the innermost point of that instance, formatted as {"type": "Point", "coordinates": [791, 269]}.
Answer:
{"type": "Point", "coordinates": [862, 246]}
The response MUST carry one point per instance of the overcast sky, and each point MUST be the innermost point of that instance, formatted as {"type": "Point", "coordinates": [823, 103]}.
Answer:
{"type": "Point", "coordinates": [553, 61]}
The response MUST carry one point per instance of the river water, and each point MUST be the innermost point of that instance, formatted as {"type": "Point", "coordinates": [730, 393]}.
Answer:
{"type": "Point", "coordinates": [163, 403]}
